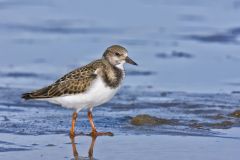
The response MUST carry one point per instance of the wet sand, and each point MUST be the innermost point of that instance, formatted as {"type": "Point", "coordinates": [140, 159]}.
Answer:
{"type": "Point", "coordinates": [172, 113]}
{"type": "Point", "coordinates": [176, 125]}
{"type": "Point", "coordinates": [119, 147]}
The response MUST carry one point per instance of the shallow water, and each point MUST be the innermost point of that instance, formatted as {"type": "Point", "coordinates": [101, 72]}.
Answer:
{"type": "Point", "coordinates": [121, 147]}
{"type": "Point", "coordinates": [194, 114]}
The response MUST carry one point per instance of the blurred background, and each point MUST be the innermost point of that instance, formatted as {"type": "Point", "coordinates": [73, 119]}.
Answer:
{"type": "Point", "coordinates": [180, 45]}
{"type": "Point", "coordinates": [187, 81]}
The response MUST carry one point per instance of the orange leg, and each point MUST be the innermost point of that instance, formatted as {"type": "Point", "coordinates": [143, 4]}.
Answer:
{"type": "Point", "coordinates": [90, 118]}
{"type": "Point", "coordinates": [94, 132]}
{"type": "Point", "coordinates": [74, 118]}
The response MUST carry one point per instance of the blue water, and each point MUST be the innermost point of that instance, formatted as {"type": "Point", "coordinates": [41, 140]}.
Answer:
{"type": "Point", "coordinates": [187, 51]}
{"type": "Point", "coordinates": [53, 37]}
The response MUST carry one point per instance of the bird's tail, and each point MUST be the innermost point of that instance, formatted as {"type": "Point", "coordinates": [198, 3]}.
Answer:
{"type": "Point", "coordinates": [27, 96]}
{"type": "Point", "coordinates": [37, 94]}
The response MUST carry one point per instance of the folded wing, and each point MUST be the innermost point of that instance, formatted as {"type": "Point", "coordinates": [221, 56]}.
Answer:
{"type": "Point", "coordinates": [74, 82]}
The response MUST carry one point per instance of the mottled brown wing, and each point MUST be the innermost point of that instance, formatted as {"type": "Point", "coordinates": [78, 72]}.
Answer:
{"type": "Point", "coordinates": [67, 87]}
{"type": "Point", "coordinates": [74, 82]}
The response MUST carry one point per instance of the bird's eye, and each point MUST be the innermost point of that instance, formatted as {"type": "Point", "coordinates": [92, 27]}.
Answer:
{"type": "Point", "coordinates": [117, 54]}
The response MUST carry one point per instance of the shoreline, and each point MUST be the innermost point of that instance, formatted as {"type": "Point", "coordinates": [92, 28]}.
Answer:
{"type": "Point", "coordinates": [122, 147]}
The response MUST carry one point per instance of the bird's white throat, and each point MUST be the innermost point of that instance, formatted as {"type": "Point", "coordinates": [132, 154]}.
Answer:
{"type": "Point", "coordinates": [121, 66]}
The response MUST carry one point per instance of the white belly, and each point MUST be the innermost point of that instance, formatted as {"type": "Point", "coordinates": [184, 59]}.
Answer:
{"type": "Point", "coordinates": [97, 94]}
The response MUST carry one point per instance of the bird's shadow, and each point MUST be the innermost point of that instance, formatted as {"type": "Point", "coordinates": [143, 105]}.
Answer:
{"type": "Point", "coordinates": [90, 150]}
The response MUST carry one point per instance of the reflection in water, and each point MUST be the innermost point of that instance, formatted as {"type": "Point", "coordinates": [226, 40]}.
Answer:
{"type": "Point", "coordinates": [90, 151]}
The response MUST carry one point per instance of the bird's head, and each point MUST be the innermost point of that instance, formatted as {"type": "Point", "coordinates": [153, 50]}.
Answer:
{"type": "Point", "coordinates": [117, 55]}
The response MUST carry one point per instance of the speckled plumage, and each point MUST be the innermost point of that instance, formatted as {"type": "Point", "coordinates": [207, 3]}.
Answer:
{"type": "Point", "coordinates": [79, 80]}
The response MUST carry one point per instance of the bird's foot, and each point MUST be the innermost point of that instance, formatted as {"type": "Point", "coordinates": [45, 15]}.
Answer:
{"type": "Point", "coordinates": [95, 134]}
{"type": "Point", "coordinates": [71, 134]}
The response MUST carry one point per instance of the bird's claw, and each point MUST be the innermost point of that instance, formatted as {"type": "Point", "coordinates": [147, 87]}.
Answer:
{"type": "Point", "coordinates": [95, 134]}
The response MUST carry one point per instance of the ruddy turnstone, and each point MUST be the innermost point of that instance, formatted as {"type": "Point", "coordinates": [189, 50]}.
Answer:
{"type": "Point", "coordinates": [88, 86]}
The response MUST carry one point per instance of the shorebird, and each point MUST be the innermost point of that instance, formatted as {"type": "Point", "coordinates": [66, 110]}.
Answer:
{"type": "Point", "coordinates": [88, 86]}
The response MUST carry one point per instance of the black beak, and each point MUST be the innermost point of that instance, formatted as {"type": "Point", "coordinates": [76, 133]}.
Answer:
{"type": "Point", "coordinates": [130, 61]}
